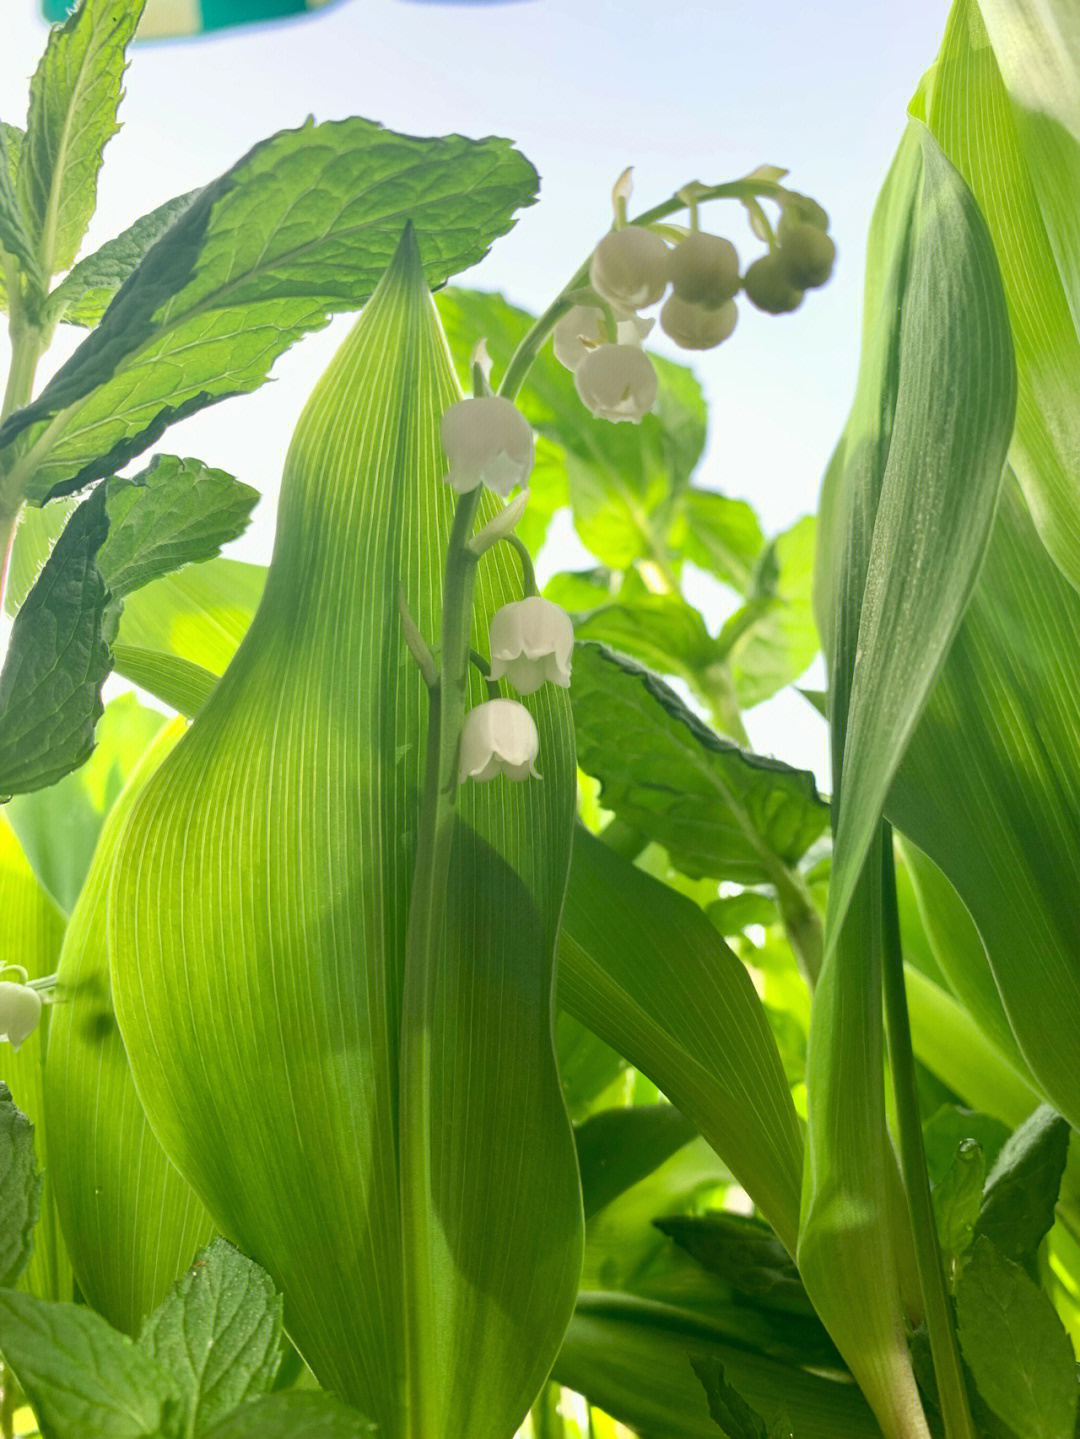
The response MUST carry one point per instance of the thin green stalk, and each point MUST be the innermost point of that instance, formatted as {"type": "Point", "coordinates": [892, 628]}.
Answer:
{"type": "Point", "coordinates": [425, 932]}
{"type": "Point", "coordinates": [545, 1419]}
{"type": "Point", "coordinates": [7, 1402]}
{"type": "Point", "coordinates": [952, 1391]}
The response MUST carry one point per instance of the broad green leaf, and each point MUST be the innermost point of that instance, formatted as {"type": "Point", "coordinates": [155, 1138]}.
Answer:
{"type": "Point", "coordinates": [33, 928]}
{"type": "Point", "coordinates": [57, 660]}
{"type": "Point", "coordinates": [1001, 105]}
{"type": "Point", "coordinates": [20, 1189]}
{"type": "Point", "coordinates": [35, 535]}
{"type": "Point", "coordinates": [587, 1066]}
{"type": "Point", "coordinates": [746, 1253]}
{"type": "Point", "coordinates": [717, 810]}
{"type": "Point", "coordinates": [16, 243]}
{"type": "Point", "coordinates": [990, 790]}
{"type": "Point", "coordinates": [298, 229]}
{"type": "Point", "coordinates": [726, 1405]}
{"type": "Point", "coordinates": [84, 1380]}
{"type": "Point", "coordinates": [175, 512]}
{"type": "Point", "coordinates": [632, 1359]}
{"type": "Point", "coordinates": [1016, 1347]}
{"type": "Point", "coordinates": [618, 1147]}
{"type": "Point", "coordinates": [58, 827]}
{"type": "Point", "coordinates": [293, 1416]}
{"type": "Point", "coordinates": [720, 535]}
{"type": "Point", "coordinates": [132, 1224]}
{"type": "Point", "coordinates": [662, 631]}
{"type": "Point", "coordinates": [957, 1199]}
{"type": "Point", "coordinates": [774, 649]}
{"type": "Point", "coordinates": [218, 1333]}
{"type": "Point", "coordinates": [176, 682]}
{"type": "Point", "coordinates": [199, 614]}
{"type": "Point", "coordinates": [1022, 1188]}
{"type": "Point", "coordinates": [643, 968]}
{"type": "Point", "coordinates": [307, 759]}
{"type": "Point", "coordinates": [73, 100]}
{"type": "Point", "coordinates": [951, 1126]}
{"type": "Point", "coordinates": [83, 296]}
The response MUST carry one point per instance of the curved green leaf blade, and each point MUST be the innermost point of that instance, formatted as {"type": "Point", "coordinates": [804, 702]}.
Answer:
{"type": "Point", "coordinates": [293, 1416]}
{"type": "Point", "coordinates": [20, 1189]}
{"type": "Point", "coordinates": [300, 228]}
{"type": "Point", "coordinates": [15, 240]}
{"type": "Point", "coordinates": [307, 761]}
{"type": "Point", "coordinates": [199, 614]}
{"type": "Point", "coordinates": [131, 1222]}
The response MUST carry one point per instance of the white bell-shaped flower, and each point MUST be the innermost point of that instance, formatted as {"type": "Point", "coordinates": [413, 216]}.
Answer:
{"type": "Point", "coordinates": [20, 1011]}
{"type": "Point", "coordinates": [582, 329]}
{"type": "Point", "coordinates": [531, 643]}
{"type": "Point", "coordinates": [488, 441]}
{"type": "Point", "coordinates": [617, 382]}
{"type": "Point", "coordinates": [630, 267]}
{"type": "Point", "coordinates": [498, 737]}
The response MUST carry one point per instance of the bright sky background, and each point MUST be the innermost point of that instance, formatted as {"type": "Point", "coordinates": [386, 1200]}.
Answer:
{"type": "Point", "coordinates": [680, 89]}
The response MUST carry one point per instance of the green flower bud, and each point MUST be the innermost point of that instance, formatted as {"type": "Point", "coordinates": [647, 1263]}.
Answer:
{"type": "Point", "coordinates": [630, 268]}
{"type": "Point", "coordinates": [696, 327]}
{"type": "Point", "coordinates": [807, 254]}
{"type": "Point", "coordinates": [768, 286]}
{"type": "Point", "coordinates": [705, 270]}
{"type": "Point", "coordinates": [801, 210]}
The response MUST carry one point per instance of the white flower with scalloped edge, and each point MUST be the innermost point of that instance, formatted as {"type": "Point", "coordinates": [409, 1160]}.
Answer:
{"type": "Point", "coordinates": [617, 382]}
{"type": "Point", "coordinates": [20, 1011]}
{"type": "Point", "coordinates": [498, 737]}
{"type": "Point", "coordinates": [583, 328]}
{"type": "Point", "coordinates": [488, 441]}
{"type": "Point", "coordinates": [531, 644]}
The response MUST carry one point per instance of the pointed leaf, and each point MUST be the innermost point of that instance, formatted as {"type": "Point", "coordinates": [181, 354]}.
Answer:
{"type": "Point", "coordinates": [957, 1199]}
{"type": "Point", "coordinates": [199, 614]}
{"type": "Point", "coordinates": [20, 1189]}
{"type": "Point", "coordinates": [293, 1416]}
{"type": "Point", "coordinates": [618, 1147]}
{"type": "Point", "coordinates": [1022, 1188]}
{"type": "Point", "coordinates": [726, 1405]}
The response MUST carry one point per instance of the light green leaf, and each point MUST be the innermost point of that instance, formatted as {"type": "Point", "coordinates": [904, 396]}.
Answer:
{"type": "Point", "coordinates": [293, 1416]}
{"type": "Point", "coordinates": [1016, 1347]}
{"type": "Point", "coordinates": [298, 229]}
{"type": "Point", "coordinates": [199, 614]}
{"type": "Point", "coordinates": [73, 100]}
{"type": "Point", "coordinates": [951, 1126]}
{"type": "Point", "coordinates": [618, 1147]}
{"type": "Point", "coordinates": [84, 1380]}
{"type": "Point", "coordinates": [773, 650]}
{"type": "Point", "coordinates": [308, 758]}
{"type": "Point", "coordinates": [957, 1199]}
{"type": "Point", "coordinates": [20, 1189]}
{"type": "Point", "coordinates": [176, 682]}
{"type": "Point", "coordinates": [35, 535]}
{"type": "Point", "coordinates": [11, 140]}
{"type": "Point", "coordinates": [57, 660]}
{"type": "Point", "coordinates": [587, 1066]}
{"type": "Point", "coordinates": [131, 1222]}
{"type": "Point", "coordinates": [643, 968]}
{"type": "Point", "coordinates": [720, 535]}
{"type": "Point", "coordinates": [15, 240]}
{"type": "Point", "coordinates": [662, 631]}
{"type": "Point", "coordinates": [218, 1333]}
{"type": "Point", "coordinates": [33, 928]}
{"type": "Point", "coordinates": [717, 810]}
{"type": "Point", "coordinates": [1002, 107]}
{"type": "Point", "coordinates": [83, 295]}
{"type": "Point", "coordinates": [1022, 1188]}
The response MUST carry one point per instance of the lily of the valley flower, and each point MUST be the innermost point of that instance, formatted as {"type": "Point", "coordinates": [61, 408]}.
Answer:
{"type": "Point", "coordinates": [20, 1011]}
{"type": "Point", "coordinates": [582, 329]}
{"type": "Point", "coordinates": [488, 442]}
{"type": "Point", "coordinates": [498, 737]}
{"type": "Point", "coordinates": [617, 382]}
{"type": "Point", "coordinates": [630, 267]}
{"type": "Point", "coordinates": [531, 643]}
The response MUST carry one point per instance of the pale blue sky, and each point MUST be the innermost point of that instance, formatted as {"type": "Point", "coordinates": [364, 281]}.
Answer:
{"type": "Point", "coordinates": [681, 90]}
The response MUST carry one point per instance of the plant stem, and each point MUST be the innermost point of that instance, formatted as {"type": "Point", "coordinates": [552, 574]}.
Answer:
{"type": "Point", "coordinates": [952, 1391]}
{"type": "Point", "coordinates": [7, 1403]}
{"type": "Point", "coordinates": [27, 344]}
{"type": "Point", "coordinates": [546, 1420]}
{"type": "Point", "coordinates": [427, 913]}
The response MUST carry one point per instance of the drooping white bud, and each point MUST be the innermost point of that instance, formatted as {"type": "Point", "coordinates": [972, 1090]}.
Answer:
{"type": "Point", "coordinates": [705, 270]}
{"type": "Point", "coordinates": [498, 737]}
{"type": "Point", "coordinates": [582, 329]}
{"type": "Point", "coordinates": [617, 382]}
{"type": "Point", "coordinates": [696, 327]}
{"type": "Point", "coordinates": [20, 1011]}
{"type": "Point", "coordinates": [630, 267]}
{"type": "Point", "coordinates": [531, 642]}
{"type": "Point", "coordinates": [488, 442]}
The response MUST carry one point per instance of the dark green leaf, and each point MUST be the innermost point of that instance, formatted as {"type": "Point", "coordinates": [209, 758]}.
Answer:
{"type": "Point", "coordinates": [73, 100]}
{"type": "Point", "coordinates": [11, 139]}
{"type": "Point", "coordinates": [58, 657]}
{"type": "Point", "coordinates": [84, 1379]}
{"type": "Point", "coordinates": [957, 1198]}
{"type": "Point", "coordinates": [746, 1253]}
{"type": "Point", "coordinates": [618, 1147]}
{"type": "Point", "coordinates": [301, 227]}
{"type": "Point", "coordinates": [218, 1333]}
{"type": "Point", "coordinates": [83, 296]}
{"type": "Point", "coordinates": [726, 1405]}
{"type": "Point", "coordinates": [1022, 1187]}
{"type": "Point", "coordinates": [293, 1416]}
{"type": "Point", "coordinates": [15, 239]}
{"type": "Point", "coordinates": [734, 912]}
{"type": "Point", "coordinates": [717, 810]}
{"type": "Point", "coordinates": [587, 1066]}
{"type": "Point", "coordinates": [1016, 1347]}
{"type": "Point", "coordinates": [20, 1189]}
{"type": "Point", "coordinates": [172, 514]}
{"type": "Point", "coordinates": [950, 1127]}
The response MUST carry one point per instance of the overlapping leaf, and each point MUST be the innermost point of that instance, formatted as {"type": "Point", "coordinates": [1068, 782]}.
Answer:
{"type": "Point", "coordinates": [20, 1189]}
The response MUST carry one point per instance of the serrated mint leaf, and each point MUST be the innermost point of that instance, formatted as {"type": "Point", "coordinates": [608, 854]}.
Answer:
{"type": "Point", "coordinates": [1016, 1347]}
{"type": "Point", "coordinates": [745, 1252]}
{"type": "Point", "coordinates": [718, 811]}
{"type": "Point", "coordinates": [958, 1197]}
{"type": "Point", "coordinates": [20, 1189]}
{"type": "Point", "coordinates": [57, 660]}
{"type": "Point", "coordinates": [300, 228]}
{"type": "Point", "coordinates": [293, 1416]}
{"type": "Point", "coordinates": [84, 294]}
{"type": "Point", "coordinates": [218, 1333]}
{"type": "Point", "coordinates": [726, 1405]}
{"type": "Point", "coordinates": [12, 138]}
{"type": "Point", "coordinates": [174, 513]}
{"type": "Point", "coordinates": [15, 238]}
{"type": "Point", "coordinates": [84, 1380]}
{"type": "Point", "coordinates": [1022, 1187]}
